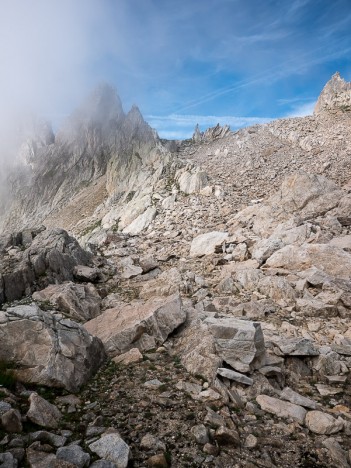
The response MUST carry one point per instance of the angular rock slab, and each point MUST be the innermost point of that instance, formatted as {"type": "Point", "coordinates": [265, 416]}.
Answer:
{"type": "Point", "coordinates": [48, 350]}
{"type": "Point", "coordinates": [43, 413]}
{"type": "Point", "coordinates": [323, 423]}
{"type": "Point", "coordinates": [138, 325]}
{"type": "Point", "coordinates": [330, 259]}
{"type": "Point", "coordinates": [282, 409]}
{"type": "Point", "coordinates": [112, 447]}
{"type": "Point", "coordinates": [80, 301]}
{"type": "Point", "coordinates": [240, 343]}
{"type": "Point", "coordinates": [206, 244]}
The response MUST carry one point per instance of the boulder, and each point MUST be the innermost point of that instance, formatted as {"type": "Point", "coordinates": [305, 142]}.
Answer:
{"type": "Point", "coordinates": [192, 182]}
{"type": "Point", "coordinates": [167, 283]}
{"type": "Point", "coordinates": [206, 244]}
{"type": "Point", "coordinates": [50, 258]}
{"type": "Point", "coordinates": [239, 343]}
{"type": "Point", "coordinates": [205, 343]}
{"type": "Point", "coordinates": [332, 260]}
{"type": "Point", "coordinates": [282, 409]}
{"type": "Point", "coordinates": [141, 222]}
{"type": "Point", "coordinates": [48, 349]}
{"type": "Point", "coordinates": [138, 325]}
{"type": "Point", "coordinates": [43, 413]}
{"type": "Point", "coordinates": [80, 301]}
{"type": "Point", "coordinates": [323, 423]}
{"type": "Point", "coordinates": [112, 448]}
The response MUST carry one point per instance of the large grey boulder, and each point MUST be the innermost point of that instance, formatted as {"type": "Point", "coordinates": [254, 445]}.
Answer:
{"type": "Point", "coordinates": [80, 301]}
{"type": "Point", "coordinates": [48, 349]}
{"type": "Point", "coordinates": [50, 258]}
{"type": "Point", "coordinates": [138, 325]}
{"type": "Point", "coordinates": [206, 342]}
{"type": "Point", "coordinates": [239, 343]}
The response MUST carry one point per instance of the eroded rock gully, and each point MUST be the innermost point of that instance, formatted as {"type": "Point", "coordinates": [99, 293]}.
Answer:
{"type": "Point", "coordinates": [204, 318]}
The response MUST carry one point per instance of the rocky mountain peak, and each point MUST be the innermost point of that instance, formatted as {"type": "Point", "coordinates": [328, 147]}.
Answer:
{"type": "Point", "coordinates": [335, 96]}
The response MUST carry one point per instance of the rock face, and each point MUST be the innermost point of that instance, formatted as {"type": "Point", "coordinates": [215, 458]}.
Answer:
{"type": "Point", "coordinates": [139, 325]}
{"type": "Point", "coordinates": [336, 96]}
{"type": "Point", "coordinates": [47, 349]}
{"type": "Point", "coordinates": [49, 258]}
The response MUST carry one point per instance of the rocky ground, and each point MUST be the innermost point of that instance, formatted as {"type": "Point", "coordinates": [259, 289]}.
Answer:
{"type": "Point", "coordinates": [203, 319]}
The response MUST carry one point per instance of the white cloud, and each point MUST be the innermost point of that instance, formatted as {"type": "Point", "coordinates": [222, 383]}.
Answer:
{"type": "Point", "coordinates": [303, 109]}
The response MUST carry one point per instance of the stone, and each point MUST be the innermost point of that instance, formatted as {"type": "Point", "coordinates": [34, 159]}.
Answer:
{"type": "Point", "coordinates": [112, 448]}
{"type": "Point", "coordinates": [192, 182]}
{"type": "Point", "coordinates": [50, 258]}
{"type": "Point", "coordinates": [7, 460]}
{"type": "Point", "coordinates": [48, 438]}
{"type": "Point", "coordinates": [73, 454]}
{"type": "Point", "coordinates": [296, 347]}
{"type": "Point", "coordinates": [210, 449]}
{"type": "Point", "coordinates": [206, 244]}
{"type": "Point", "coordinates": [150, 442]}
{"type": "Point", "coordinates": [138, 325]}
{"type": "Point", "coordinates": [294, 397]}
{"type": "Point", "coordinates": [166, 284]}
{"type": "Point", "coordinates": [40, 459]}
{"type": "Point", "coordinates": [49, 351]}
{"type": "Point", "coordinates": [129, 270]}
{"type": "Point", "coordinates": [315, 308]}
{"type": "Point", "coordinates": [239, 343]}
{"type": "Point", "coordinates": [80, 302]}
{"type": "Point", "coordinates": [141, 222]}
{"type": "Point", "coordinates": [264, 248]}
{"type": "Point", "coordinates": [251, 441]}
{"type": "Point", "coordinates": [336, 452]}
{"type": "Point", "coordinates": [148, 263]}
{"type": "Point", "coordinates": [282, 409]}
{"type": "Point", "coordinates": [85, 273]}
{"type": "Point", "coordinates": [103, 464]}
{"type": "Point", "coordinates": [157, 461]}
{"type": "Point", "coordinates": [200, 434]}
{"type": "Point", "coordinates": [11, 421]}
{"type": "Point", "coordinates": [323, 423]}
{"type": "Point", "coordinates": [43, 413]}
{"type": "Point", "coordinates": [332, 260]}
{"type": "Point", "coordinates": [236, 376]}
{"type": "Point", "coordinates": [130, 357]}
{"type": "Point", "coordinates": [226, 436]}
{"type": "Point", "coordinates": [153, 384]}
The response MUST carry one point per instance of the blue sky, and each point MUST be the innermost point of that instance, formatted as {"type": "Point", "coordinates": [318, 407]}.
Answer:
{"type": "Point", "coordinates": [182, 62]}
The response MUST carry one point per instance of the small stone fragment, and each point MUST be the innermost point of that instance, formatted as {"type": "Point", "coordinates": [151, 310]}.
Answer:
{"type": "Point", "coordinates": [251, 441]}
{"type": "Point", "coordinates": [225, 436]}
{"type": "Point", "coordinates": [200, 434]}
{"type": "Point", "coordinates": [157, 461]}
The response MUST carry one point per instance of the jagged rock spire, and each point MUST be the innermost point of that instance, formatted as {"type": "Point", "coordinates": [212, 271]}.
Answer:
{"type": "Point", "coordinates": [335, 96]}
